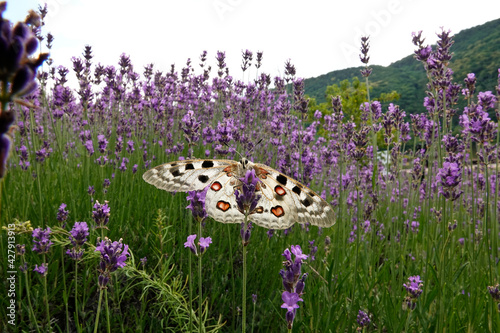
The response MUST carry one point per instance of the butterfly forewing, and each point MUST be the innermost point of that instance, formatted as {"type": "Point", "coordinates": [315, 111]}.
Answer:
{"type": "Point", "coordinates": [188, 175]}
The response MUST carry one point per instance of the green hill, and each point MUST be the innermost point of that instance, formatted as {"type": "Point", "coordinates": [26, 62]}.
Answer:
{"type": "Point", "coordinates": [476, 50]}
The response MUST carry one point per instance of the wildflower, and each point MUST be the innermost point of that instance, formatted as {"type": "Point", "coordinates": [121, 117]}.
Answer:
{"type": "Point", "coordinates": [246, 232]}
{"type": "Point", "coordinates": [91, 190]}
{"type": "Point", "coordinates": [365, 47]}
{"type": "Point", "coordinates": [101, 213]}
{"type": "Point", "coordinates": [18, 67]}
{"type": "Point", "coordinates": [89, 145]}
{"type": "Point", "coordinates": [414, 290]}
{"type": "Point", "coordinates": [113, 256]}
{"type": "Point", "coordinates": [363, 319]}
{"type": "Point", "coordinates": [62, 214]}
{"type": "Point", "coordinates": [42, 270]}
{"type": "Point", "coordinates": [78, 236]}
{"type": "Point", "coordinates": [292, 271]}
{"type": "Point", "coordinates": [41, 240]}
{"type": "Point", "coordinates": [254, 298]}
{"type": "Point", "coordinates": [143, 261]}
{"type": "Point", "coordinates": [290, 303]}
{"type": "Point", "coordinates": [245, 196]}
{"type": "Point", "coordinates": [197, 204]}
{"type": "Point", "coordinates": [204, 244]}
{"type": "Point", "coordinates": [190, 243]}
{"type": "Point", "coordinates": [20, 249]}
{"type": "Point", "coordinates": [102, 142]}
{"type": "Point", "coordinates": [449, 177]}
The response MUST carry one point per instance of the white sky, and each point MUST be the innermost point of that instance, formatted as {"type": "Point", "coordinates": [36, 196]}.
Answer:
{"type": "Point", "coordinates": [317, 35]}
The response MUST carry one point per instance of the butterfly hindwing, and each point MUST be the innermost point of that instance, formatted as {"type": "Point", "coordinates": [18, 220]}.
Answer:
{"type": "Point", "coordinates": [301, 204]}
{"type": "Point", "coordinates": [220, 201]}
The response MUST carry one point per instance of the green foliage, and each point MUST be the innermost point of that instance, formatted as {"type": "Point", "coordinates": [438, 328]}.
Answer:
{"type": "Point", "coordinates": [476, 50]}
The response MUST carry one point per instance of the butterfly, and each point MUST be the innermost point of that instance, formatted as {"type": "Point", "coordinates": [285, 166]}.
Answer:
{"type": "Point", "coordinates": [283, 200]}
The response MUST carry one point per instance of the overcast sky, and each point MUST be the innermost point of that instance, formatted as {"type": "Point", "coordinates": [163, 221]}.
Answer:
{"type": "Point", "coordinates": [318, 36]}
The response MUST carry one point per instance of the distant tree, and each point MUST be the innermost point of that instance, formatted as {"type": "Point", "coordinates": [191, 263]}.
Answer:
{"type": "Point", "coordinates": [353, 94]}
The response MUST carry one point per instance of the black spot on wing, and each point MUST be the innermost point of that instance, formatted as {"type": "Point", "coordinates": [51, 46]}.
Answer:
{"type": "Point", "coordinates": [311, 193]}
{"type": "Point", "coordinates": [281, 179]}
{"type": "Point", "coordinates": [173, 164]}
{"type": "Point", "coordinates": [306, 202]}
{"type": "Point", "coordinates": [297, 190]}
{"type": "Point", "coordinates": [189, 166]}
{"type": "Point", "coordinates": [203, 178]}
{"type": "Point", "coordinates": [207, 164]}
{"type": "Point", "coordinates": [176, 173]}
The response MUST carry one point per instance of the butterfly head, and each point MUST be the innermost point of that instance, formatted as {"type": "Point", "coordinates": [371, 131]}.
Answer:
{"type": "Point", "coordinates": [245, 163]}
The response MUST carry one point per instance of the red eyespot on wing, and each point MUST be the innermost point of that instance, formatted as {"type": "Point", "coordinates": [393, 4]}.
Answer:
{"type": "Point", "coordinates": [279, 190]}
{"type": "Point", "coordinates": [222, 205]}
{"type": "Point", "coordinates": [278, 211]}
{"type": "Point", "coordinates": [259, 210]}
{"type": "Point", "coordinates": [216, 186]}
{"type": "Point", "coordinates": [262, 173]}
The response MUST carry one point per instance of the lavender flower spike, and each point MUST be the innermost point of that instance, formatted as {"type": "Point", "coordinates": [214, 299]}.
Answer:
{"type": "Point", "coordinates": [41, 240]}
{"type": "Point", "coordinates": [113, 256]}
{"type": "Point", "coordinates": [246, 198]}
{"type": "Point", "coordinates": [197, 204]}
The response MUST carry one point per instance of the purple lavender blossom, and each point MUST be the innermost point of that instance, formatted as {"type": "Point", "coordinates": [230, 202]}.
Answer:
{"type": "Point", "coordinates": [18, 67]}
{"type": "Point", "coordinates": [290, 301]}
{"type": "Point", "coordinates": [102, 142]}
{"type": "Point", "coordinates": [41, 240]}
{"type": "Point", "coordinates": [113, 256]}
{"type": "Point", "coordinates": [62, 213]}
{"type": "Point", "coordinates": [197, 204]}
{"type": "Point", "coordinates": [42, 269]}
{"type": "Point", "coordinates": [78, 236]}
{"type": "Point", "coordinates": [190, 243]}
{"type": "Point", "coordinates": [414, 290]}
{"type": "Point", "coordinates": [246, 196]}
{"type": "Point", "coordinates": [101, 213]}
{"type": "Point", "coordinates": [363, 319]}
{"type": "Point", "coordinates": [449, 177]}
{"type": "Point", "coordinates": [204, 244]}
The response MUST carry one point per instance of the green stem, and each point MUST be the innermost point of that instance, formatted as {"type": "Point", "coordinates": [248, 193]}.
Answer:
{"type": "Point", "coordinates": [76, 297]}
{"type": "Point", "coordinates": [65, 294]}
{"type": "Point", "coordinates": [243, 299]}
{"type": "Point", "coordinates": [190, 263]}
{"type": "Point", "coordinates": [200, 298]}
{"type": "Point", "coordinates": [47, 312]}
{"type": "Point", "coordinates": [98, 311]}
{"type": "Point", "coordinates": [31, 312]}
{"type": "Point", "coordinates": [232, 275]}
{"type": "Point", "coordinates": [107, 311]}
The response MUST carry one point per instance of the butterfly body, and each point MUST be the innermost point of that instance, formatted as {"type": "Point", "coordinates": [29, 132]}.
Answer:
{"type": "Point", "coordinates": [283, 202]}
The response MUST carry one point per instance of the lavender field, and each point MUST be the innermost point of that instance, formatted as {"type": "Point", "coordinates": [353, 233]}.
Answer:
{"type": "Point", "coordinates": [88, 246]}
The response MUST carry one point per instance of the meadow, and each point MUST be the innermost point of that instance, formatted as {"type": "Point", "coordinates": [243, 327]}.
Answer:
{"type": "Point", "coordinates": [414, 248]}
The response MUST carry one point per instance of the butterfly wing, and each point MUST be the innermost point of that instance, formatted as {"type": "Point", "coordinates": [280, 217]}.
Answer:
{"type": "Point", "coordinates": [188, 175]}
{"type": "Point", "coordinates": [285, 201]}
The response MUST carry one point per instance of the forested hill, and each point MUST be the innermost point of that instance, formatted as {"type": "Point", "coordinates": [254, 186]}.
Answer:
{"type": "Point", "coordinates": [476, 50]}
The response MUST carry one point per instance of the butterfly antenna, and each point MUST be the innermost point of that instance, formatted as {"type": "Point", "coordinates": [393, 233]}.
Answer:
{"type": "Point", "coordinates": [258, 143]}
